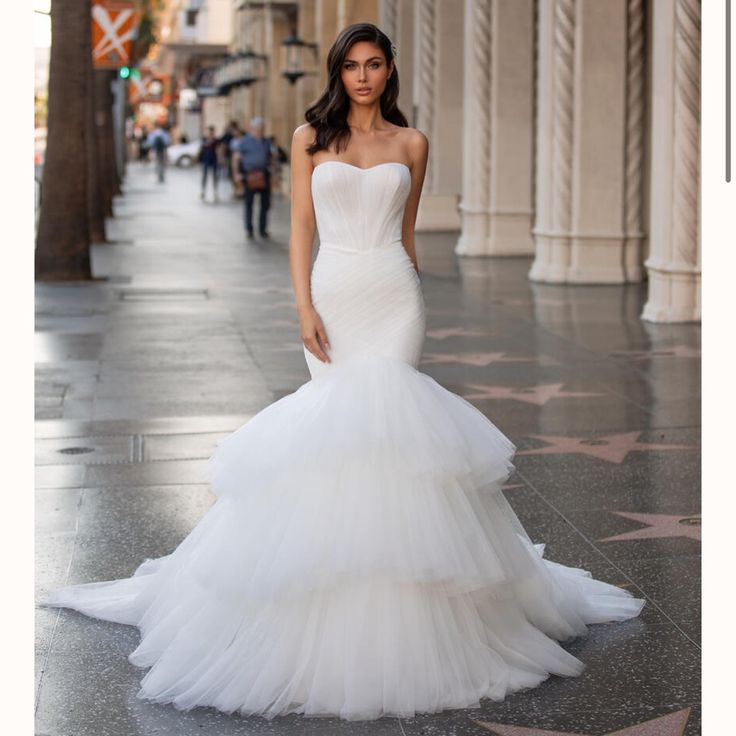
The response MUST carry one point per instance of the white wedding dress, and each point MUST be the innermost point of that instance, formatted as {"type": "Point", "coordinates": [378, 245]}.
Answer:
{"type": "Point", "coordinates": [360, 559]}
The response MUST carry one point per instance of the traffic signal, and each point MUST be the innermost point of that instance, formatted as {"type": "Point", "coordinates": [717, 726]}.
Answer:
{"type": "Point", "coordinates": [124, 72]}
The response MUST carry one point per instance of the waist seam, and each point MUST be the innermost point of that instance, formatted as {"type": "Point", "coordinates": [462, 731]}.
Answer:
{"type": "Point", "coordinates": [336, 246]}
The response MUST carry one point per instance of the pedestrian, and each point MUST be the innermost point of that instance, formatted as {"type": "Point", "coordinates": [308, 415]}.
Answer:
{"type": "Point", "coordinates": [143, 144]}
{"type": "Point", "coordinates": [208, 159]}
{"type": "Point", "coordinates": [251, 165]}
{"type": "Point", "coordinates": [280, 158]}
{"type": "Point", "coordinates": [158, 142]}
{"type": "Point", "coordinates": [231, 133]}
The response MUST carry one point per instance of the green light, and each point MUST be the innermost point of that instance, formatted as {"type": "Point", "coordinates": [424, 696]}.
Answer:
{"type": "Point", "coordinates": [124, 72]}
{"type": "Point", "coordinates": [135, 73]}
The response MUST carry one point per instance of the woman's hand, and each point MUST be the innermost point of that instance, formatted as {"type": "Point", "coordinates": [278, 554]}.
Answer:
{"type": "Point", "coordinates": [313, 333]}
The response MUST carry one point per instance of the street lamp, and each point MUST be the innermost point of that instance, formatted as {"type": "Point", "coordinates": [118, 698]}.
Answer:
{"type": "Point", "coordinates": [295, 57]}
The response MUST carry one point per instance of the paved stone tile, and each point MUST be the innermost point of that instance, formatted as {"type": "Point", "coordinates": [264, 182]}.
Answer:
{"type": "Point", "coordinates": [600, 525]}
{"type": "Point", "coordinates": [60, 476]}
{"type": "Point", "coordinates": [141, 425]}
{"type": "Point", "coordinates": [89, 689]}
{"type": "Point", "coordinates": [88, 450]}
{"type": "Point", "coordinates": [181, 446]}
{"type": "Point", "coordinates": [673, 583]}
{"type": "Point", "coordinates": [669, 720]}
{"type": "Point", "coordinates": [174, 472]}
{"type": "Point", "coordinates": [653, 664]}
{"type": "Point", "coordinates": [61, 346]}
{"type": "Point", "coordinates": [55, 510]}
{"type": "Point", "coordinates": [119, 527]}
{"type": "Point", "coordinates": [53, 555]}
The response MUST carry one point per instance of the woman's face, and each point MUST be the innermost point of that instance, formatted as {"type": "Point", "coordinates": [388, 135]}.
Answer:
{"type": "Point", "coordinates": [364, 73]}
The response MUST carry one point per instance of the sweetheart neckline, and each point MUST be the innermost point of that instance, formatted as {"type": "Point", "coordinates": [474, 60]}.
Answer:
{"type": "Point", "coordinates": [360, 168]}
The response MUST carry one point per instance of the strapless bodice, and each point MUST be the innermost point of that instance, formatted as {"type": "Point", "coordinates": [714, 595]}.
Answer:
{"type": "Point", "coordinates": [359, 209]}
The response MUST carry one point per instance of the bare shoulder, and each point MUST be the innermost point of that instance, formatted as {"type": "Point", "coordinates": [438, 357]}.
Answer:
{"type": "Point", "coordinates": [415, 140]}
{"type": "Point", "coordinates": [304, 134]}
{"type": "Point", "coordinates": [417, 145]}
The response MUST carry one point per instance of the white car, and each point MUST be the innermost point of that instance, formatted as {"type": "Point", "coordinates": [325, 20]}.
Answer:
{"type": "Point", "coordinates": [183, 154]}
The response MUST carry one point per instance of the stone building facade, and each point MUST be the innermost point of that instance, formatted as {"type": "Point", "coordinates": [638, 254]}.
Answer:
{"type": "Point", "coordinates": [567, 131]}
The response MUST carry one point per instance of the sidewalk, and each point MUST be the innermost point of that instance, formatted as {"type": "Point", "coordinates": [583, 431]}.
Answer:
{"type": "Point", "coordinates": [189, 331]}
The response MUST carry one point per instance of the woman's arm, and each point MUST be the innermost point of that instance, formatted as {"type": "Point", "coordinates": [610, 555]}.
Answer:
{"type": "Point", "coordinates": [418, 148]}
{"type": "Point", "coordinates": [301, 240]}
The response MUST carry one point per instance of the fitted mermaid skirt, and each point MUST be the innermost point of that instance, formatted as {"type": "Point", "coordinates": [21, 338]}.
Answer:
{"type": "Point", "coordinates": [360, 559]}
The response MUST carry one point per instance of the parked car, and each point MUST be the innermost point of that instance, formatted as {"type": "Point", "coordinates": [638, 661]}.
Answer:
{"type": "Point", "coordinates": [183, 154]}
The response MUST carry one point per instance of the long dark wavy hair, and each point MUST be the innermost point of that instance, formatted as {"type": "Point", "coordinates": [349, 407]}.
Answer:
{"type": "Point", "coordinates": [329, 114]}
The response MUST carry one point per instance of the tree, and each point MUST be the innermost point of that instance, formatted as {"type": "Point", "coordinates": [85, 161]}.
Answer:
{"type": "Point", "coordinates": [63, 239]}
{"type": "Point", "coordinates": [96, 199]}
{"type": "Point", "coordinates": [105, 138]}
{"type": "Point", "coordinates": [146, 36]}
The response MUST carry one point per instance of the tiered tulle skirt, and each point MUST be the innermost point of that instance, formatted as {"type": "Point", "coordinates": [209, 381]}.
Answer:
{"type": "Point", "coordinates": [360, 559]}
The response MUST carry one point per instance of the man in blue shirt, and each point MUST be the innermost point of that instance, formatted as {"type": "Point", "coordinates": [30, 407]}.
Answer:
{"type": "Point", "coordinates": [251, 166]}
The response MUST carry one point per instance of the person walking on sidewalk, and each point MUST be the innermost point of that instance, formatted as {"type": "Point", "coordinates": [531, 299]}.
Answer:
{"type": "Point", "coordinates": [158, 142]}
{"type": "Point", "coordinates": [232, 132]}
{"type": "Point", "coordinates": [251, 165]}
{"type": "Point", "coordinates": [208, 158]}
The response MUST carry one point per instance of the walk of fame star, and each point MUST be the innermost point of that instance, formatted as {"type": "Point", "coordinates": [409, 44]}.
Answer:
{"type": "Point", "coordinates": [539, 394]}
{"type": "Point", "coordinates": [441, 334]}
{"type": "Point", "coordinates": [612, 448]}
{"type": "Point", "coordinates": [672, 724]}
{"type": "Point", "coordinates": [658, 526]}
{"type": "Point", "coordinates": [512, 486]}
{"type": "Point", "coordinates": [677, 351]}
{"type": "Point", "coordinates": [478, 359]}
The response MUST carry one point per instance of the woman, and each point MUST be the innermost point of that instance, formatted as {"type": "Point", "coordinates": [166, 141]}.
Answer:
{"type": "Point", "coordinates": [361, 559]}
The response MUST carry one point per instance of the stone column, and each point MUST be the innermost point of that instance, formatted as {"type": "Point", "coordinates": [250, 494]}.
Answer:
{"type": "Point", "coordinates": [396, 20]}
{"type": "Point", "coordinates": [674, 261]}
{"type": "Point", "coordinates": [498, 128]}
{"type": "Point", "coordinates": [306, 89]}
{"type": "Point", "coordinates": [437, 102]}
{"type": "Point", "coordinates": [358, 11]}
{"type": "Point", "coordinates": [388, 18]}
{"type": "Point", "coordinates": [590, 124]}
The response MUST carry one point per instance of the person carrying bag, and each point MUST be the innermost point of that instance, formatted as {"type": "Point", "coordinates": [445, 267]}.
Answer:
{"type": "Point", "coordinates": [251, 162]}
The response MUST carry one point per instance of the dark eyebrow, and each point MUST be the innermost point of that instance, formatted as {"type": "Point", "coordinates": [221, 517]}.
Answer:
{"type": "Point", "coordinates": [373, 58]}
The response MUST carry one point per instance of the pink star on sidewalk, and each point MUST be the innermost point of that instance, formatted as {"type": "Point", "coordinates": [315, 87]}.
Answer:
{"type": "Point", "coordinates": [454, 332]}
{"type": "Point", "coordinates": [612, 448]}
{"type": "Point", "coordinates": [479, 359]}
{"type": "Point", "coordinates": [672, 724]}
{"type": "Point", "coordinates": [659, 526]}
{"type": "Point", "coordinates": [539, 394]}
{"type": "Point", "coordinates": [677, 351]}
